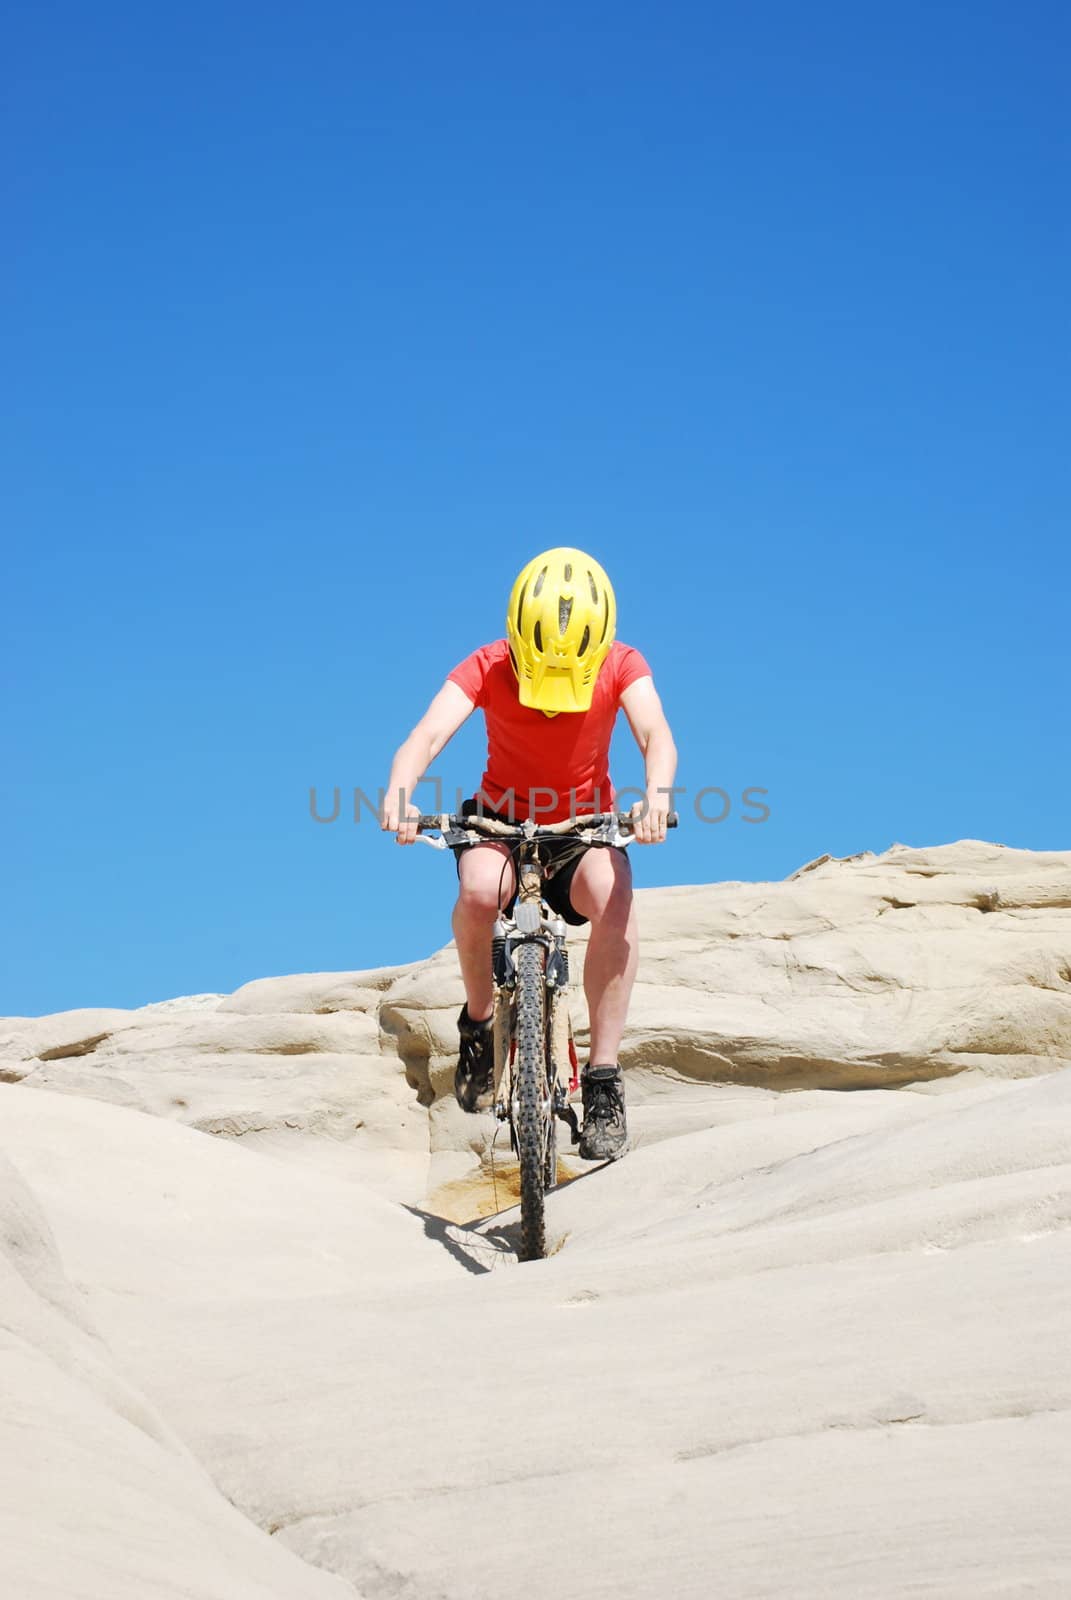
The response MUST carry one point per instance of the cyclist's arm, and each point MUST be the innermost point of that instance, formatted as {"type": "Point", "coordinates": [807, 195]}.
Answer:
{"type": "Point", "coordinates": [651, 731]}
{"type": "Point", "coordinates": [450, 708]}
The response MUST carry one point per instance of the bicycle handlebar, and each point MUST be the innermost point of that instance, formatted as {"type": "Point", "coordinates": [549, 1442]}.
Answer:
{"type": "Point", "coordinates": [623, 820]}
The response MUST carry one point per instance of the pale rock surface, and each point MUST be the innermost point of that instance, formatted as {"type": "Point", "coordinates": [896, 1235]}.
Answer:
{"type": "Point", "coordinates": [808, 1344]}
{"type": "Point", "coordinates": [876, 971]}
{"type": "Point", "coordinates": [98, 1497]}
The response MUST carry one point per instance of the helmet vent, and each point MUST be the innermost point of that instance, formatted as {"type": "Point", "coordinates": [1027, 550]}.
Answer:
{"type": "Point", "coordinates": [568, 571]}
{"type": "Point", "coordinates": [538, 584]}
{"type": "Point", "coordinates": [565, 611]}
{"type": "Point", "coordinates": [538, 638]}
{"type": "Point", "coordinates": [605, 621]}
{"type": "Point", "coordinates": [585, 641]}
{"type": "Point", "coordinates": [594, 589]}
{"type": "Point", "coordinates": [520, 605]}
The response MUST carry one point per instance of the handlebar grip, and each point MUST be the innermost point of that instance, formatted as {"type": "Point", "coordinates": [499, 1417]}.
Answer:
{"type": "Point", "coordinates": [424, 823]}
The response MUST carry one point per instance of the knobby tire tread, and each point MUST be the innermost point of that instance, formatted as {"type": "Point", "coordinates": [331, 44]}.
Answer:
{"type": "Point", "coordinates": [530, 1078]}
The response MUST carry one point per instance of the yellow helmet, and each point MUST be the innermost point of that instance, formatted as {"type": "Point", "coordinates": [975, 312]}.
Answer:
{"type": "Point", "coordinates": [560, 626]}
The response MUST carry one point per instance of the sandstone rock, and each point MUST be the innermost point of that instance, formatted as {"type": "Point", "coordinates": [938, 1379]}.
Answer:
{"type": "Point", "coordinates": [98, 1496]}
{"type": "Point", "coordinates": [809, 1343]}
{"type": "Point", "coordinates": [902, 968]}
{"type": "Point", "coordinates": [832, 1325]}
{"type": "Point", "coordinates": [318, 993]}
{"type": "Point", "coordinates": [25, 1041]}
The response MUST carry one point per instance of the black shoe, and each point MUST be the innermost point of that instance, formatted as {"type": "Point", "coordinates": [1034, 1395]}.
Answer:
{"type": "Point", "coordinates": [476, 1060]}
{"type": "Point", "coordinates": [604, 1134]}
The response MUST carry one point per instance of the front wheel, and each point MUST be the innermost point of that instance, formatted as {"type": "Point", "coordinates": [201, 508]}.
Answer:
{"type": "Point", "coordinates": [532, 1111]}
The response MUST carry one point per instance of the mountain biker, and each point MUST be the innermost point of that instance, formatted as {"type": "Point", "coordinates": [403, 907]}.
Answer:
{"type": "Point", "coordinates": [550, 692]}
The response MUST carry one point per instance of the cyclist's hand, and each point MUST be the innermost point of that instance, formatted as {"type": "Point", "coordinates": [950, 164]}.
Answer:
{"type": "Point", "coordinates": [649, 821]}
{"type": "Point", "coordinates": [399, 821]}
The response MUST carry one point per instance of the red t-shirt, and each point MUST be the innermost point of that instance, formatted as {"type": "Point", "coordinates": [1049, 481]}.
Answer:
{"type": "Point", "coordinates": [530, 753]}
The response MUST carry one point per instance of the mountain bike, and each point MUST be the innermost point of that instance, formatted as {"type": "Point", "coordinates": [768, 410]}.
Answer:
{"type": "Point", "coordinates": [535, 1062]}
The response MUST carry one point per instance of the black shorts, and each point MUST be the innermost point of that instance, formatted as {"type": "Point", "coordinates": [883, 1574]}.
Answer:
{"type": "Point", "coordinates": [562, 856]}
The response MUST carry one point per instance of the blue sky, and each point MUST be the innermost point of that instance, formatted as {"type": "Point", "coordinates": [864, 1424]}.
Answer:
{"type": "Point", "coordinates": [319, 321]}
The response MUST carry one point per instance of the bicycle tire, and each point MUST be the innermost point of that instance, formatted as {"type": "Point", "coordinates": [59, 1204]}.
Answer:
{"type": "Point", "coordinates": [530, 1104]}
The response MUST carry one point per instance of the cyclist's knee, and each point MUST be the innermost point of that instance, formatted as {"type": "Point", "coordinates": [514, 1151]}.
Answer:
{"type": "Point", "coordinates": [484, 885]}
{"type": "Point", "coordinates": [479, 899]}
{"type": "Point", "coordinates": [602, 887]}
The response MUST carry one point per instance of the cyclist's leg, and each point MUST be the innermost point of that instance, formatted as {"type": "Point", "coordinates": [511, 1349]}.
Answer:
{"type": "Point", "coordinates": [486, 878]}
{"type": "Point", "coordinates": [601, 890]}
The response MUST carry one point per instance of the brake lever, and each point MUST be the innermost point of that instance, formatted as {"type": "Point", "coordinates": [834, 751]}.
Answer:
{"type": "Point", "coordinates": [619, 837]}
{"type": "Point", "coordinates": [451, 837]}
